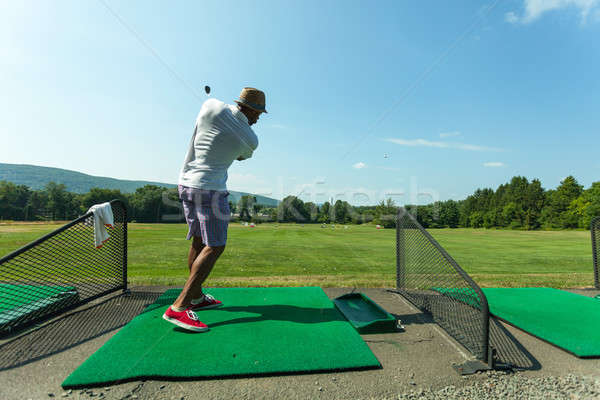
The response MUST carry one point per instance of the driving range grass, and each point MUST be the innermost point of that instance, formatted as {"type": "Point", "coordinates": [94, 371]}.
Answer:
{"type": "Point", "coordinates": [357, 256]}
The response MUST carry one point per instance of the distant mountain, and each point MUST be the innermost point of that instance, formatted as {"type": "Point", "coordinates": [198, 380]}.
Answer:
{"type": "Point", "coordinates": [37, 177]}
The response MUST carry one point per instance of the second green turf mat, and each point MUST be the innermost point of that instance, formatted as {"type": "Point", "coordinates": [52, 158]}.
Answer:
{"type": "Point", "coordinates": [257, 331]}
{"type": "Point", "coordinates": [30, 301]}
{"type": "Point", "coordinates": [567, 320]}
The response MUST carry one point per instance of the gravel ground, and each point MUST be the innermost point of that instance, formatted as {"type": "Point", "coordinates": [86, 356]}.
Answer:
{"type": "Point", "coordinates": [497, 385]}
{"type": "Point", "coordinates": [500, 385]}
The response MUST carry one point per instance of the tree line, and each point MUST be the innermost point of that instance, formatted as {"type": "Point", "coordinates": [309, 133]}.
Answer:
{"type": "Point", "coordinates": [19, 203]}
{"type": "Point", "coordinates": [519, 204]}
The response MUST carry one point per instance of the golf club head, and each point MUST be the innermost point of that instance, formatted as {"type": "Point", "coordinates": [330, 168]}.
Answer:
{"type": "Point", "coordinates": [207, 89]}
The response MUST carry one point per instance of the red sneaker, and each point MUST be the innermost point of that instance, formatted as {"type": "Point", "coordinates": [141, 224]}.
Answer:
{"type": "Point", "coordinates": [185, 319]}
{"type": "Point", "coordinates": [207, 302]}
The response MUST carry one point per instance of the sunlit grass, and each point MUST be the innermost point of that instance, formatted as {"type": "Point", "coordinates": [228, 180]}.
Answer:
{"type": "Point", "coordinates": [362, 256]}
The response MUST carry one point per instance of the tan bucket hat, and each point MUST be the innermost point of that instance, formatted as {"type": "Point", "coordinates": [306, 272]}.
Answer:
{"type": "Point", "coordinates": [253, 98]}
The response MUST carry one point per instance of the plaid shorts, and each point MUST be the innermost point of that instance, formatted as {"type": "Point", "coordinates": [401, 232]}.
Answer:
{"type": "Point", "coordinates": [207, 214]}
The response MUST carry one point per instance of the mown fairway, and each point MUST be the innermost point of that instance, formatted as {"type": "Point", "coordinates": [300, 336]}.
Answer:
{"type": "Point", "coordinates": [362, 256]}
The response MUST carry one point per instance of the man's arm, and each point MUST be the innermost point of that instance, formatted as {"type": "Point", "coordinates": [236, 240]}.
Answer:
{"type": "Point", "coordinates": [246, 155]}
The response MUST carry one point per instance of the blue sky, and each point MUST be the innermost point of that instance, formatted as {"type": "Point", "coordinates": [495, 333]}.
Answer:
{"type": "Point", "coordinates": [417, 101]}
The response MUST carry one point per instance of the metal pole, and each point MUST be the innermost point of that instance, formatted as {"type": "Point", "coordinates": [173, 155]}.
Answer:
{"type": "Point", "coordinates": [595, 225]}
{"type": "Point", "coordinates": [119, 203]}
{"type": "Point", "coordinates": [400, 252]}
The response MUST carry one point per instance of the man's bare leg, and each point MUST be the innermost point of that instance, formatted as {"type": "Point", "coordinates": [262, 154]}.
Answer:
{"type": "Point", "coordinates": [201, 268]}
{"type": "Point", "coordinates": [195, 250]}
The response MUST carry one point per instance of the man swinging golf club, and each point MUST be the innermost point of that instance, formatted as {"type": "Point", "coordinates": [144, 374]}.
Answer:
{"type": "Point", "coordinates": [222, 134]}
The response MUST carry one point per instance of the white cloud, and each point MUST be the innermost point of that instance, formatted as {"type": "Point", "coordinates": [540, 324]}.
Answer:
{"type": "Point", "coordinates": [450, 134]}
{"type": "Point", "coordinates": [511, 17]}
{"type": "Point", "coordinates": [359, 165]}
{"type": "Point", "coordinates": [441, 145]}
{"type": "Point", "coordinates": [493, 164]}
{"type": "Point", "coordinates": [534, 9]}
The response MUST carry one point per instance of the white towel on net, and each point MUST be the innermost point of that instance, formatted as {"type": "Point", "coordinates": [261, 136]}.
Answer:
{"type": "Point", "coordinates": [103, 217]}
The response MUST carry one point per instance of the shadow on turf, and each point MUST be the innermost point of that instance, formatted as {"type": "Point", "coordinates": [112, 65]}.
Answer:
{"type": "Point", "coordinates": [272, 312]}
{"type": "Point", "coordinates": [301, 315]}
{"type": "Point", "coordinates": [73, 329]}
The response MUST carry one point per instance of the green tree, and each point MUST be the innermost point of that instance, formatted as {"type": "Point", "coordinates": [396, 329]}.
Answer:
{"type": "Point", "coordinates": [36, 206]}
{"type": "Point", "coordinates": [512, 215]}
{"type": "Point", "coordinates": [246, 207]}
{"type": "Point", "coordinates": [476, 219]}
{"type": "Point", "coordinates": [427, 215]}
{"type": "Point", "coordinates": [291, 209]}
{"type": "Point", "coordinates": [340, 212]}
{"type": "Point", "coordinates": [489, 219]}
{"type": "Point", "coordinates": [60, 203]}
{"type": "Point", "coordinates": [593, 210]}
{"type": "Point", "coordinates": [312, 211]}
{"type": "Point", "coordinates": [449, 214]}
{"type": "Point", "coordinates": [578, 210]}
{"type": "Point", "coordinates": [534, 204]}
{"type": "Point", "coordinates": [271, 213]}
{"type": "Point", "coordinates": [13, 201]}
{"type": "Point", "coordinates": [559, 200]}
{"type": "Point", "coordinates": [586, 207]}
{"type": "Point", "coordinates": [386, 214]}
{"type": "Point", "coordinates": [480, 201]}
{"type": "Point", "coordinates": [325, 213]}
{"type": "Point", "coordinates": [147, 203]}
{"type": "Point", "coordinates": [99, 195]}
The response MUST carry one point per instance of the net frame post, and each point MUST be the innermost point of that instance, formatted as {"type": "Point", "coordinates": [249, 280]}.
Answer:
{"type": "Point", "coordinates": [400, 253]}
{"type": "Point", "coordinates": [486, 354]}
{"type": "Point", "coordinates": [594, 227]}
{"type": "Point", "coordinates": [125, 237]}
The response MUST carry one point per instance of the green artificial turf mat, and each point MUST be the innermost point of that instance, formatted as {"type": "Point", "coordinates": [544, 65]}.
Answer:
{"type": "Point", "coordinates": [257, 331]}
{"type": "Point", "coordinates": [19, 301]}
{"type": "Point", "coordinates": [14, 296]}
{"type": "Point", "coordinates": [567, 320]}
{"type": "Point", "coordinates": [464, 295]}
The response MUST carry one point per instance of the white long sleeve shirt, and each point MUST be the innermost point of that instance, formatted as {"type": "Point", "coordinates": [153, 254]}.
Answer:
{"type": "Point", "coordinates": [221, 135]}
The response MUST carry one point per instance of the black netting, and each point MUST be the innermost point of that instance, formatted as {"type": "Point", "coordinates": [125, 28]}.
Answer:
{"type": "Point", "coordinates": [428, 277]}
{"type": "Point", "coordinates": [595, 229]}
{"type": "Point", "coordinates": [62, 270]}
{"type": "Point", "coordinates": [74, 328]}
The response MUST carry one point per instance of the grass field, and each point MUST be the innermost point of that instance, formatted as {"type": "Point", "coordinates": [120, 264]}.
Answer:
{"type": "Point", "coordinates": [362, 256]}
